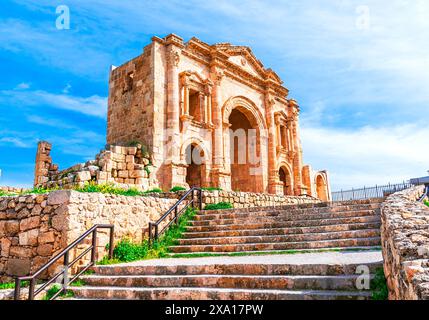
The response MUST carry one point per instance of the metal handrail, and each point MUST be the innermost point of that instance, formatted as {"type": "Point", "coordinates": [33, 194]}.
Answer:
{"type": "Point", "coordinates": [67, 265]}
{"type": "Point", "coordinates": [425, 194]}
{"type": "Point", "coordinates": [153, 236]}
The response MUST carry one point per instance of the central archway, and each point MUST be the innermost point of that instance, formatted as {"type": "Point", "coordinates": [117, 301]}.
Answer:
{"type": "Point", "coordinates": [245, 152]}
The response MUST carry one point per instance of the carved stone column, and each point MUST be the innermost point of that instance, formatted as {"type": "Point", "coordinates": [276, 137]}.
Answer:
{"type": "Point", "coordinates": [272, 143]}
{"type": "Point", "coordinates": [174, 45]}
{"type": "Point", "coordinates": [216, 76]}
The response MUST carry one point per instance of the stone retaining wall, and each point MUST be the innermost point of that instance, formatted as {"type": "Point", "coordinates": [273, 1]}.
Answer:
{"type": "Point", "coordinates": [12, 189]}
{"type": "Point", "coordinates": [405, 242]}
{"type": "Point", "coordinates": [34, 228]}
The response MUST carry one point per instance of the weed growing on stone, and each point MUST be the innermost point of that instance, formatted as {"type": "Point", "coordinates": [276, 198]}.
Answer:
{"type": "Point", "coordinates": [426, 202]}
{"type": "Point", "coordinates": [78, 283]}
{"type": "Point", "coordinates": [127, 251]}
{"type": "Point", "coordinates": [379, 286]}
{"type": "Point", "coordinates": [218, 206]}
{"type": "Point", "coordinates": [212, 189]}
{"type": "Point", "coordinates": [11, 285]}
{"type": "Point", "coordinates": [177, 188]}
{"type": "Point", "coordinates": [155, 190]}
{"type": "Point", "coordinates": [54, 290]}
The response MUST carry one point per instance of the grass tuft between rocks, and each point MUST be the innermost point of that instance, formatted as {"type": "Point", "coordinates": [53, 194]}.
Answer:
{"type": "Point", "coordinates": [379, 286]}
{"type": "Point", "coordinates": [218, 206]}
{"type": "Point", "coordinates": [127, 251]}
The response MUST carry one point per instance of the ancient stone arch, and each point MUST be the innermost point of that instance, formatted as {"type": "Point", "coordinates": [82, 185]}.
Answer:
{"type": "Point", "coordinates": [321, 187]}
{"type": "Point", "coordinates": [287, 178]}
{"type": "Point", "coordinates": [247, 107]}
{"type": "Point", "coordinates": [197, 169]}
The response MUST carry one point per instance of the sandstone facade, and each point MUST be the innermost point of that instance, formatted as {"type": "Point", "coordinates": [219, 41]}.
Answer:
{"type": "Point", "coordinates": [405, 242]}
{"type": "Point", "coordinates": [196, 106]}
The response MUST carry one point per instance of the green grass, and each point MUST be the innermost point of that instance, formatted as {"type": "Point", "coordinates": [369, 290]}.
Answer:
{"type": "Point", "coordinates": [218, 206]}
{"type": "Point", "coordinates": [78, 283]}
{"type": "Point", "coordinates": [11, 285]}
{"type": "Point", "coordinates": [379, 286]}
{"type": "Point", "coordinates": [260, 253]}
{"type": "Point", "coordinates": [154, 190]}
{"type": "Point", "coordinates": [54, 289]}
{"type": "Point", "coordinates": [177, 188]}
{"type": "Point", "coordinates": [426, 202]}
{"type": "Point", "coordinates": [127, 251]}
{"type": "Point", "coordinates": [212, 189]}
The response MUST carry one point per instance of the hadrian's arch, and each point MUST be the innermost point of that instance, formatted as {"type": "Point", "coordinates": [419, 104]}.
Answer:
{"type": "Point", "coordinates": [245, 146]}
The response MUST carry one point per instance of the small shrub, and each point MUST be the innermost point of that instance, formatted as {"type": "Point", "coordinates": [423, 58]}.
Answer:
{"type": "Point", "coordinates": [218, 206]}
{"type": "Point", "coordinates": [127, 251]}
{"type": "Point", "coordinates": [177, 188]}
{"type": "Point", "coordinates": [108, 188]}
{"type": "Point", "coordinates": [54, 289]}
{"type": "Point", "coordinates": [379, 286]}
{"type": "Point", "coordinates": [154, 190]}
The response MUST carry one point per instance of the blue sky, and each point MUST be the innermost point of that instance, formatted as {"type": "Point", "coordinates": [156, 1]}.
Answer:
{"type": "Point", "coordinates": [359, 70]}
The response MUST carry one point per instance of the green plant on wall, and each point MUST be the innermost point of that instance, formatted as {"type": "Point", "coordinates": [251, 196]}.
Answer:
{"type": "Point", "coordinates": [177, 188]}
{"type": "Point", "coordinates": [379, 286]}
{"type": "Point", "coordinates": [218, 206]}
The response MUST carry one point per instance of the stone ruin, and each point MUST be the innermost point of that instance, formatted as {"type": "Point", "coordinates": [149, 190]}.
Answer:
{"type": "Point", "coordinates": [123, 166]}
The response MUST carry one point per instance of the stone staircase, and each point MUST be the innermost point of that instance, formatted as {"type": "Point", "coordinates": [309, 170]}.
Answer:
{"type": "Point", "coordinates": [303, 227]}
{"type": "Point", "coordinates": [318, 275]}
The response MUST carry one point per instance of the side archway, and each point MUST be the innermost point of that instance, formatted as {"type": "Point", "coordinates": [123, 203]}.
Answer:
{"type": "Point", "coordinates": [321, 187]}
{"type": "Point", "coordinates": [286, 179]}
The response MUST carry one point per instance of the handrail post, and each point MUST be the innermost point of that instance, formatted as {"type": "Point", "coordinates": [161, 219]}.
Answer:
{"type": "Point", "coordinates": [17, 295]}
{"type": "Point", "coordinates": [66, 271]}
{"type": "Point", "coordinates": [31, 289]}
{"type": "Point", "coordinates": [175, 216]}
{"type": "Point", "coordinates": [156, 232]}
{"type": "Point", "coordinates": [193, 198]}
{"type": "Point", "coordinates": [94, 246]}
{"type": "Point", "coordinates": [200, 199]}
{"type": "Point", "coordinates": [112, 231]}
{"type": "Point", "coordinates": [150, 233]}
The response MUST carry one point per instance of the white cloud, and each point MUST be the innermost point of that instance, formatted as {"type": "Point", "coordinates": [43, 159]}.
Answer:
{"type": "Point", "coordinates": [92, 106]}
{"type": "Point", "coordinates": [369, 155]}
{"type": "Point", "coordinates": [22, 86]}
{"type": "Point", "coordinates": [15, 141]}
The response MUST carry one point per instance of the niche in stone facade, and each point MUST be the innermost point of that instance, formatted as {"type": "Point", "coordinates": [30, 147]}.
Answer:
{"type": "Point", "coordinates": [195, 98]}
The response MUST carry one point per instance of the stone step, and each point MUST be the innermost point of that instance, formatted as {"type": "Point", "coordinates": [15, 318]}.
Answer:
{"type": "Point", "coordinates": [274, 252]}
{"type": "Point", "coordinates": [243, 225]}
{"type": "Point", "coordinates": [257, 218]}
{"type": "Point", "coordinates": [282, 231]}
{"type": "Point", "coordinates": [302, 208]}
{"type": "Point", "coordinates": [282, 282]}
{"type": "Point", "coordinates": [334, 243]}
{"type": "Point", "coordinates": [238, 213]}
{"type": "Point", "coordinates": [366, 233]}
{"type": "Point", "coordinates": [261, 266]}
{"type": "Point", "coordinates": [205, 293]}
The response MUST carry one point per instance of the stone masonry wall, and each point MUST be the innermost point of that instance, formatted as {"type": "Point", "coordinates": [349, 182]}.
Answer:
{"type": "Point", "coordinates": [34, 228]}
{"type": "Point", "coordinates": [29, 233]}
{"type": "Point", "coordinates": [405, 242]}
{"type": "Point", "coordinates": [123, 166]}
{"type": "Point", "coordinates": [248, 199]}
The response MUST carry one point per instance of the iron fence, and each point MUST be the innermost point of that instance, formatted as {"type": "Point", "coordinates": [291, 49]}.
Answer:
{"type": "Point", "coordinates": [371, 192]}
